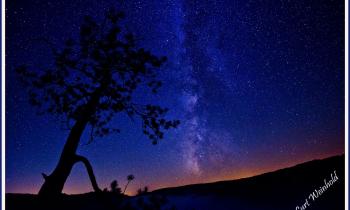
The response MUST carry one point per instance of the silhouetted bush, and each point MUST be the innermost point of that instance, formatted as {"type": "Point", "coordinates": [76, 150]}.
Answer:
{"type": "Point", "coordinates": [142, 191]}
{"type": "Point", "coordinates": [115, 188]}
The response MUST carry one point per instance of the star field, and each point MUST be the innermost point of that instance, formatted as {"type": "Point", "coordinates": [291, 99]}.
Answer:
{"type": "Point", "coordinates": [257, 85]}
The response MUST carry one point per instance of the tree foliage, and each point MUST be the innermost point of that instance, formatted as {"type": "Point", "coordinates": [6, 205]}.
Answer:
{"type": "Point", "coordinates": [95, 77]}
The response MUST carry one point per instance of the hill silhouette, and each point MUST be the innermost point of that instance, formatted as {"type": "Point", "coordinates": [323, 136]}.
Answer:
{"type": "Point", "coordinates": [282, 189]}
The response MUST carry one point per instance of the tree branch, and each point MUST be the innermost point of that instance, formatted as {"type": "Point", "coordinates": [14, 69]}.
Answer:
{"type": "Point", "coordinates": [85, 161]}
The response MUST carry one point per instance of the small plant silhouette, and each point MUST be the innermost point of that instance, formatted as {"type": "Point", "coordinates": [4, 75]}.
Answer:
{"type": "Point", "coordinates": [115, 188]}
{"type": "Point", "coordinates": [142, 191]}
{"type": "Point", "coordinates": [129, 178]}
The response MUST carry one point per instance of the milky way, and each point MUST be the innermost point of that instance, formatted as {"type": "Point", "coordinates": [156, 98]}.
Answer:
{"type": "Point", "coordinates": [200, 56]}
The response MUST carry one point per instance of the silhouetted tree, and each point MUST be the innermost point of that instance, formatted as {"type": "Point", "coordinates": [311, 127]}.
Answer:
{"type": "Point", "coordinates": [129, 178]}
{"type": "Point", "coordinates": [91, 80]}
{"type": "Point", "coordinates": [115, 188]}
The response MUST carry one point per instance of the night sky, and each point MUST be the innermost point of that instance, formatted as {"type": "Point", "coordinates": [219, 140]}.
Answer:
{"type": "Point", "coordinates": [257, 85]}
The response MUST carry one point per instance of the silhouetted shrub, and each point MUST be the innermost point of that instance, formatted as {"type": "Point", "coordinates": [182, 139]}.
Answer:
{"type": "Point", "coordinates": [115, 188]}
{"type": "Point", "coordinates": [142, 191]}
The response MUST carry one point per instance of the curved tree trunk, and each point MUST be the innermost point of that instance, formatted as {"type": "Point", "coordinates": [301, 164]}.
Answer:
{"type": "Point", "coordinates": [88, 167]}
{"type": "Point", "coordinates": [54, 183]}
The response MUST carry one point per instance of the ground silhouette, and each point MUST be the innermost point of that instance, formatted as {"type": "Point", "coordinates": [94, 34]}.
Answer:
{"type": "Point", "coordinates": [282, 189]}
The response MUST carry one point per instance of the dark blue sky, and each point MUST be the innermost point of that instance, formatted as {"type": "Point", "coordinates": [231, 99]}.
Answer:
{"type": "Point", "coordinates": [257, 85]}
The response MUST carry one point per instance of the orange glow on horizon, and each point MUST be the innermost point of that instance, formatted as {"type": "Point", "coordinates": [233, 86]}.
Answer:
{"type": "Point", "coordinates": [225, 176]}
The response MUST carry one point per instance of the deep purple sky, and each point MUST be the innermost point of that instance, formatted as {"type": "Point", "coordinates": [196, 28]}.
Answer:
{"type": "Point", "coordinates": [257, 85]}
